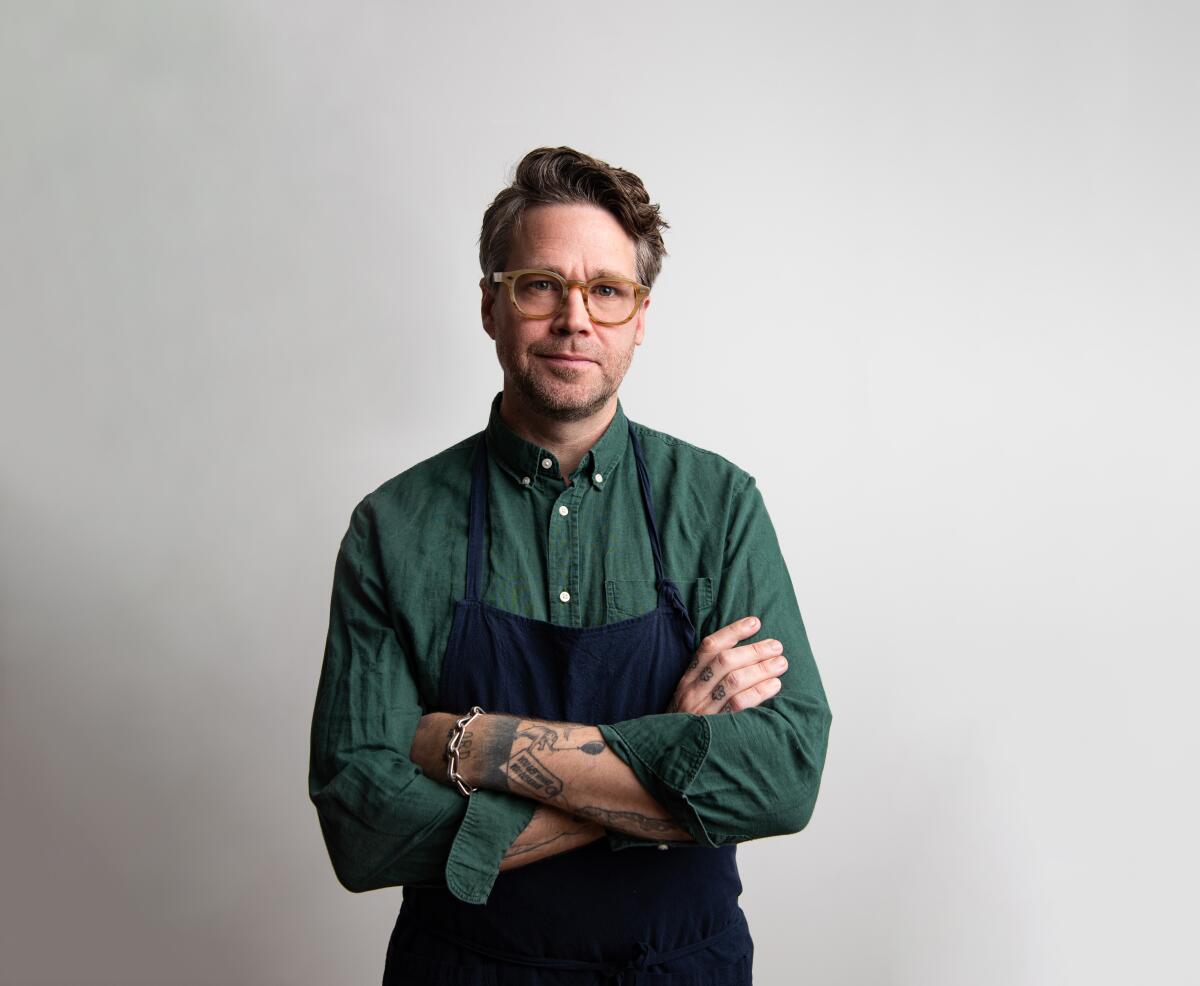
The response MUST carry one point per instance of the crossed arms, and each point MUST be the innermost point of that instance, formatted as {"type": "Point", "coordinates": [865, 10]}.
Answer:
{"type": "Point", "coordinates": [583, 788]}
{"type": "Point", "coordinates": [376, 774]}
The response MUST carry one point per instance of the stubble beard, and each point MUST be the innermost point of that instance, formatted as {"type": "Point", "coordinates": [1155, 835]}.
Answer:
{"type": "Point", "coordinates": [551, 402]}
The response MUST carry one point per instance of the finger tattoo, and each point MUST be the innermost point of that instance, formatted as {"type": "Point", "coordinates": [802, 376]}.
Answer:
{"type": "Point", "coordinates": [707, 673]}
{"type": "Point", "coordinates": [718, 693]}
{"type": "Point", "coordinates": [727, 707]}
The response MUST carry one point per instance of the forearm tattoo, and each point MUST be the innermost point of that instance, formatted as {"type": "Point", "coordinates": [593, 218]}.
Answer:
{"type": "Point", "coordinates": [524, 844]}
{"type": "Point", "coordinates": [511, 760]}
{"type": "Point", "coordinates": [525, 770]}
{"type": "Point", "coordinates": [495, 751]}
{"type": "Point", "coordinates": [516, 849]}
{"type": "Point", "coordinates": [623, 819]}
{"type": "Point", "coordinates": [518, 754]}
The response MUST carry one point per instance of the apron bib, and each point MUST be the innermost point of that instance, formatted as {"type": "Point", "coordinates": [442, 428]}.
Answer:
{"type": "Point", "coordinates": [591, 915]}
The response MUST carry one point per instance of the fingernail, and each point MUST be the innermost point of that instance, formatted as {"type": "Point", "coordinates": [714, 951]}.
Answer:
{"type": "Point", "coordinates": [752, 621]}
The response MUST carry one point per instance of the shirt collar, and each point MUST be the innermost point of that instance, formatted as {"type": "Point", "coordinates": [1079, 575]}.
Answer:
{"type": "Point", "coordinates": [526, 462]}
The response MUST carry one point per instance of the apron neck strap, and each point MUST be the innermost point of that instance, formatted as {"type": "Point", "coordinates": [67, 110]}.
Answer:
{"type": "Point", "coordinates": [648, 503]}
{"type": "Point", "coordinates": [478, 514]}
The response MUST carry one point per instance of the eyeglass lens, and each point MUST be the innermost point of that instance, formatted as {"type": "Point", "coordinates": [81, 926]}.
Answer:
{"type": "Point", "coordinates": [539, 296]}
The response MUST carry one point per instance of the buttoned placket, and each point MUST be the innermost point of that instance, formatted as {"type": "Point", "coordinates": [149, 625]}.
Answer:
{"type": "Point", "coordinates": [564, 545]}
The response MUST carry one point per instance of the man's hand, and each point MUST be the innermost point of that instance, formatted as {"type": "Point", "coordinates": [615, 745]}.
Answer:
{"type": "Point", "coordinates": [726, 678]}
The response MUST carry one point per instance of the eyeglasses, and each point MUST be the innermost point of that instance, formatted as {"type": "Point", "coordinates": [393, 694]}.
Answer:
{"type": "Point", "coordinates": [539, 293]}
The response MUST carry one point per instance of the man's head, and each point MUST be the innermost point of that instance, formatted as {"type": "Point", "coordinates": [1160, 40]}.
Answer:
{"type": "Point", "coordinates": [580, 218]}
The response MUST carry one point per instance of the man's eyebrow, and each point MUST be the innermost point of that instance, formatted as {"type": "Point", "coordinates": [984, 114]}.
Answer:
{"type": "Point", "coordinates": [605, 272]}
{"type": "Point", "coordinates": [601, 272]}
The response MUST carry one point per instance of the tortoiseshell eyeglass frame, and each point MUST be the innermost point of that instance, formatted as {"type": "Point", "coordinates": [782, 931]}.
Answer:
{"type": "Point", "coordinates": [509, 277]}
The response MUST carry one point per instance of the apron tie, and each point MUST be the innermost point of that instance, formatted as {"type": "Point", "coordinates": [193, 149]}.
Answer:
{"type": "Point", "coordinates": [643, 957]}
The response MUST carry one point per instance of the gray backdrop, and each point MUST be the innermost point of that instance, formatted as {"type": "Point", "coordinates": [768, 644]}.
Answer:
{"type": "Point", "coordinates": [932, 281]}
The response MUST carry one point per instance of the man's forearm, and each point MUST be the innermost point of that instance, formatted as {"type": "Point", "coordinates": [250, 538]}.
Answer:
{"type": "Point", "coordinates": [549, 833]}
{"type": "Point", "coordinates": [567, 766]}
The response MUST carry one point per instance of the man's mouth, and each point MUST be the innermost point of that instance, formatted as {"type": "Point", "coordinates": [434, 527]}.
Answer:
{"type": "Point", "coordinates": [566, 359]}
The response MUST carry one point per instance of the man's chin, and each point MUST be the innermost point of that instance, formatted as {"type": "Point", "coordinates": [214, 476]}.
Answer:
{"type": "Point", "coordinates": [560, 404]}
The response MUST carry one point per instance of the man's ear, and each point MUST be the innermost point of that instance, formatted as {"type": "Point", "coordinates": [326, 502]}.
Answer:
{"type": "Point", "coordinates": [639, 331]}
{"type": "Point", "coordinates": [485, 308]}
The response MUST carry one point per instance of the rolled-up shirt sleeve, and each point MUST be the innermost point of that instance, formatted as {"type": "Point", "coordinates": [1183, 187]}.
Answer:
{"type": "Point", "coordinates": [731, 777]}
{"type": "Point", "coordinates": [384, 822]}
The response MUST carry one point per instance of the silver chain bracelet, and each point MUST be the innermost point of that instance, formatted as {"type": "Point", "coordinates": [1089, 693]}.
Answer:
{"type": "Point", "coordinates": [456, 738]}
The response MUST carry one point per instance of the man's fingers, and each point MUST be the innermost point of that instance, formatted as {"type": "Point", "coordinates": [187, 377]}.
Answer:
{"type": "Point", "coordinates": [728, 636]}
{"type": "Point", "coordinates": [714, 667]}
{"type": "Point", "coordinates": [752, 696]}
{"type": "Point", "coordinates": [722, 671]}
{"type": "Point", "coordinates": [741, 679]}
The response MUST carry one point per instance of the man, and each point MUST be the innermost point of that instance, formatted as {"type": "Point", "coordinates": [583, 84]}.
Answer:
{"type": "Point", "coordinates": [565, 672]}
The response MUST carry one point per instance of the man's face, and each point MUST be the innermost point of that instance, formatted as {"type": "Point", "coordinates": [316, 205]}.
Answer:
{"type": "Point", "coordinates": [579, 242]}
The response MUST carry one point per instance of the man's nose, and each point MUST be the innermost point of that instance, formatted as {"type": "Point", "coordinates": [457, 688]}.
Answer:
{"type": "Point", "coordinates": [574, 315]}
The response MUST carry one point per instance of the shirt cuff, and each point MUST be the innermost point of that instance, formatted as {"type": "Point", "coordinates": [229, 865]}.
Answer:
{"type": "Point", "coordinates": [665, 752]}
{"type": "Point", "coordinates": [488, 828]}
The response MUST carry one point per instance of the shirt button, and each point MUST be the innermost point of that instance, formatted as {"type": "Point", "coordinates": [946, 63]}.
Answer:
{"type": "Point", "coordinates": [564, 596]}
{"type": "Point", "coordinates": [598, 478]}
{"type": "Point", "coordinates": [563, 511]}
{"type": "Point", "coordinates": [547, 463]}
{"type": "Point", "coordinates": [525, 480]}
{"type": "Point", "coordinates": [662, 845]}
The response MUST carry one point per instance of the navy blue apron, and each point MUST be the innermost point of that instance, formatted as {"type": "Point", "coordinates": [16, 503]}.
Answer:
{"type": "Point", "coordinates": [592, 915]}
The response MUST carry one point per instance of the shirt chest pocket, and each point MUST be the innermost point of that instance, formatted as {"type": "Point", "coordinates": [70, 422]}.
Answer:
{"type": "Point", "coordinates": [636, 597]}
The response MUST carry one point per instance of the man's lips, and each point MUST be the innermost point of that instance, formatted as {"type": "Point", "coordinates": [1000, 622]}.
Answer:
{"type": "Point", "coordinates": [566, 359]}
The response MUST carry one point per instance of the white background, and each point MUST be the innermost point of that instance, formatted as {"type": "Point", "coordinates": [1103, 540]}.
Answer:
{"type": "Point", "coordinates": [932, 280]}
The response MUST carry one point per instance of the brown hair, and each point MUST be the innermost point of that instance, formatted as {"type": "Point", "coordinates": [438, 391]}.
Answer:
{"type": "Point", "coordinates": [562, 175]}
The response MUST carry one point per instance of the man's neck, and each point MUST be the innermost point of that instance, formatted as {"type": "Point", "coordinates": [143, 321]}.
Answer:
{"type": "Point", "coordinates": [568, 440]}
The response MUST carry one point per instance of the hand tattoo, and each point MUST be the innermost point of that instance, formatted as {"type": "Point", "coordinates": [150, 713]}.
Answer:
{"type": "Point", "coordinates": [707, 673]}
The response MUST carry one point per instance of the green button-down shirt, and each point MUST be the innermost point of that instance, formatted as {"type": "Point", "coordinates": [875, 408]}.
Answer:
{"type": "Point", "coordinates": [576, 555]}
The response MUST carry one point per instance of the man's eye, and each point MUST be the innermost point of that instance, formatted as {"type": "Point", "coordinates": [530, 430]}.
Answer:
{"type": "Point", "coordinates": [610, 290]}
{"type": "Point", "coordinates": [542, 285]}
